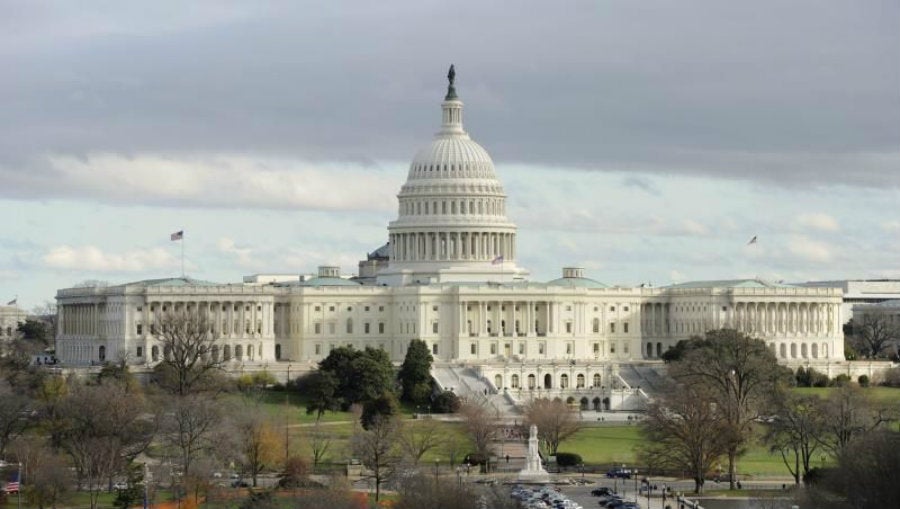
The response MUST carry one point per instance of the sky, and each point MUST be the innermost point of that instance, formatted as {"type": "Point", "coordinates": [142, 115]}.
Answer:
{"type": "Point", "coordinates": [645, 141]}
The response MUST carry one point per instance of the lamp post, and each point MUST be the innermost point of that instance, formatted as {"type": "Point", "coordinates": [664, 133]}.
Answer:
{"type": "Point", "coordinates": [437, 463]}
{"type": "Point", "coordinates": [459, 476]}
{"type": "Point", "coordinates": [582, 471]}
{"type": "Point", "coordinates": [648, 492]}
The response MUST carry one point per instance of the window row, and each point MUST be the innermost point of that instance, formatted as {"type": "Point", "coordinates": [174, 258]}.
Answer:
{"type": "Point", "coordinates": [348, 327]}
{"type": "Point", "coordinates": [495, 207]}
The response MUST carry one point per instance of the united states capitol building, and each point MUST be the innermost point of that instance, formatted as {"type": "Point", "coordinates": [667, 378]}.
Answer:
{"type": "Point", "coordinates": [449, 275]}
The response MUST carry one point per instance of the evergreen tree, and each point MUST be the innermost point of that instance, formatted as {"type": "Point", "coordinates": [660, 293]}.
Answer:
{"type": "Point", "coordinates": [415, 373]}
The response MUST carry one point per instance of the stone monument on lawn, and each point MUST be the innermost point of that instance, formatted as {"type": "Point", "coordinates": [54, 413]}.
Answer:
{"type": "Point", "coordinates": [533, 472]}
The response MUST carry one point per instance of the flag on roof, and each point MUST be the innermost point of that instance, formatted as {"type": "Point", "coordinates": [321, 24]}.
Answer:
{"type": "Point", "coordinates": [498, 260]}
{"type": "Point", "coordinates": [752, 241]}
{"type": "Point", "coordinates": [177, 235]}
{"type": "Point", "coordinates": [12, 302]}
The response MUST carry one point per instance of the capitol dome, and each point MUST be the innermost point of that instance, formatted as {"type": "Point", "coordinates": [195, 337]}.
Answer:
{"type": "Point", "coordinates": [451, 222]}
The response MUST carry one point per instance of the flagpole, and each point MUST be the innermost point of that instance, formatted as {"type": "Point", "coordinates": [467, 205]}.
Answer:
{"type": "Point", "coordinates": [182, 254]}
{"type": "Point", "coordinates": [19, 492]}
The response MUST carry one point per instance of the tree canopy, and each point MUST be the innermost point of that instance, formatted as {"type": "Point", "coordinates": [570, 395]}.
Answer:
{"type": "Point", "coordinates": [415, 373]}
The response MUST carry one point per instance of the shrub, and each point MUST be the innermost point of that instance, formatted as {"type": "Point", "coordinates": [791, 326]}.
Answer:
{"type": "Point", "coordinates": [476, 459]}
{"type": "Point", "coordinates": [568, 459]}
{"type": "Point", "coordinates": [863, 380]}
{"type": "Point", "coordinates": [445, 403]}
{"type": "Point", "coordinates": [841, 380]}
{"type": "Point", "coordinates": [892, 377]}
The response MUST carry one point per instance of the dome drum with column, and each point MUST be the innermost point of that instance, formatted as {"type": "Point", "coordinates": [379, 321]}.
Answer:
{"type": "Point", "coordinates": [451, 223]}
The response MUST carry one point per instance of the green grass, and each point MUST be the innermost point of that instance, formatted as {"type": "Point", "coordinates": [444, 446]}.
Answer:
{"type": "Point", "coordinates": [880, 395]}
{"type": "Point", "coordinates": [604, 444]}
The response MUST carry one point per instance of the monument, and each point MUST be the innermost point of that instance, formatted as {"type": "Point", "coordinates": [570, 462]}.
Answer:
{"type": "Point", "coordinates": [533, 472]}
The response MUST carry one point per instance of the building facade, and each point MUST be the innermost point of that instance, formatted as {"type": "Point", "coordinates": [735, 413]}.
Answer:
{"type": "Point", "coordinates": [10, 318]}
{"type": "Point", "coordinates": [448, 276]}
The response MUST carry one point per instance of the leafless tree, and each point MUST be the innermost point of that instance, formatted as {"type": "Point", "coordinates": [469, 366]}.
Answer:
{"type": "Point", "coordinates": [848, 413]}
{"type": "Point", "coordinates": [106, 428]}
{"type": "Point", "coordinates": [416, 438]}
{"type": "Point", "coordinates": [258, 443]}
{"type": "Point", "coordinates": [49, 478]}
{"type": "Point", "coordinates": [14, 415]}
{"type": "Point", "coordinates": [190, 361]}
{"type": "Point", "coordinates": [740, 375]}
{"type": "Point", "coordinates": [794, 430]}
{"type": "Point", "coordinates": [554, 419]}
{"type": "Point", "coordinates": [320, 441]}
{"type": "Point", "coordinates": [191, 425]}
{"type": "Point", "coordinates": [874, 333]}
{"type": "Point", "coordinates": [479, 423]}
{"type": "Point", "coordinates": [376, 448]}
{"type": "Point", "coordinates": [685, 431]}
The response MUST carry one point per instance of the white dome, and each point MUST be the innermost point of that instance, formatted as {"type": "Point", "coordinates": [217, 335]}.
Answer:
{"type": "Point", "coordinates": [453, 156]}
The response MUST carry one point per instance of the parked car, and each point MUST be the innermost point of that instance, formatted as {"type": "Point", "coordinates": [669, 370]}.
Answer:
{"type": "Point", "coordinates": [601, 491]}
{"type": "Point", "coordinates": [621, 473]}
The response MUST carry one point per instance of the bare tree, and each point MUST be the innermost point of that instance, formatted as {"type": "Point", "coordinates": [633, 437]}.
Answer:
{"type": "Point", "coordinates": [794, 432]}
{"type": "Point", "coordinates": [873, 333]}
{"type": "Point", "coordinates": [190, 426]}
{"type": "Point", "coordinates": [190, 361]}
{"type": "Point", "coordinates": [376, 448]}
{"type": "Point", "coordinates": [13, 415]}
{"type": "Point", "coordinates": [416, 438]}
{"type": "Point", "coordinates": [685, 431]}
{"type": "Point", "coordinates": [740, 374]}
{"type": "Point", "coordinates": [554, 419]}
{"type": "Point", "coordinates": [106, 428]}
{"type": "Point", "coordinates": [479, 423]}
{"type": "Point", "coordinates": [848, 413]}
{"type": "Point", "coordinates": [319, 442]}
{"type": "Point", "coordinates": [49, 477]}
{"type": "Point", "coordinates": [259, 444]}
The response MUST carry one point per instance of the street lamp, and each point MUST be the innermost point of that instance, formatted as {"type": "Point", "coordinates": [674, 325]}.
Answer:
{"type": "Point", "coordinates": [437, 463]}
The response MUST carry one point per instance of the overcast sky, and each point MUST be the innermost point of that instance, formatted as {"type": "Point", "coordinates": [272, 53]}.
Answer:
{"type": "Point", "coordinates": [647, 141]}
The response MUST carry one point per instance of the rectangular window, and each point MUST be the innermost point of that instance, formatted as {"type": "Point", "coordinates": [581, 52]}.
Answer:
{"type": "Point", "coordinates": [434, 349]}
{"type": "Point", "coordinates": [330, 308]}
{"type": "Point", "coordinates": [367, 308]}
{"type": "Point", "coordinates": [140, 351]}
{"type": "Point", "coordinates": [612, 308]}
{"type": "Point", "coordinates": [318, 349]}
{"type": "Point", "coordinates": [381, 327]}
{"type": "Point", "coordinates": [318, 308]}
{"type": "Point", "coordinates": [434, 308]}
{"type": "Point", "coordinates": [493, 348]}
{"type": "Point", "coordinates": [317, 328]}
{"type": "Point", "coordinates": [596, 348]}
{"type": "Point", "coordinates": [626, 308]}
{"type": "Point", "coordinates": [380, 308]}
{"type": "Point", "coordinates": [473, 348]}
{"type": "Point", "coordinates": [331, 328]}
{"type": "Point", "coordinates": [612, 328]}
{"type": "Point", "coordinates": [625, 348]}
{"type": "Point", "coordinates": [625, 327]}
{"type": "Point", "coordinates": [612, 348]}
{"type": "Point", "coordinates": [434, 327]}
{"type": "Point", "coordinates": [521, 348]}
{"type": "Point", "coordinates": [139, 308]}
{"type": "Point", "coordinates": [366, 327]}
{"type": "Point", "coordinates": [542, 348]}
{"type": "Point", "coordinates": [568, 348]}
{"type": "Point", "coordinates": [140, 330]}
{"type": "Point", "coordinates": [569, 327]}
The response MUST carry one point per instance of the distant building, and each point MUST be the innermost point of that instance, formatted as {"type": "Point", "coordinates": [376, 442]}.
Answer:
{"type": "Point", "coordinates": [860, 291]}
{"type": "Point", "coordinates": [10, 318]}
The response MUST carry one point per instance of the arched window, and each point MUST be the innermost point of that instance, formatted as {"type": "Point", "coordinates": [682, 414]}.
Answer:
{"type": "Point", "coordinates": [154, 353]}
{"type": "Point", "coordinates": [596, 380]}
{"type": "Point", "coordinates": [226, 353]}
{"type": "Point", "coordinates": [564, 381]}
{"type": "Point", "coordinates": [815, 351]}
{"type": "Point", "coordinates": [548, 381]}
{"type": "Point", "coordinates": [793, 350]}
{"type": "Point", "coordinates": [649, 349]}
{"type": "Point", "coordinates": [498, 381]}
{"type": "Point", "coordinates": [596, 403]}
{"type": "Point", "coordinates": [659, 349]}
{"type": "Point", "coordinates": [260, 350]}
{"type": "Point", "coordinates": [579, 381]}
{"type": "Point", "coordinates": [101, 353]}
{"type": "Point", "coordinates": [349, 326]}
{"type": "Point", "coordinates": [803, 350]}
{"type": "Point", "coordinates": [782, 351]}
{"type": "Point", "coordinates": [825, 350]}
{"type": "Point", "coordinates": [584, 404]}
{"type": "Point", "coordinates": [514, 382]}
{"type": "Point", "coordinates": [215, 353]}
{"type": "Point", "coordinates": [238, 352]}
{"type": "Point", "coordinates": [531, 382]}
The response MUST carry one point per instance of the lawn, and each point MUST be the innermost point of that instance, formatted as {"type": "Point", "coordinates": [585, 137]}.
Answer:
{"type": "Point", "coordinates": [604, 444]}
{"type": "Point", "coordinates": [881, 395]}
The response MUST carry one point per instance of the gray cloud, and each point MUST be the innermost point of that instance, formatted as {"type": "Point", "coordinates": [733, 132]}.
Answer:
{"type": "Point", "coordinates": [789, 93]}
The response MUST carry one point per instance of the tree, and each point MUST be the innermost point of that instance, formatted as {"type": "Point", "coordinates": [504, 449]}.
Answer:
{"type": "Point", "coordinates": [295, 473]}
{"type": "Point", "coordinates": [319, 441]}
{"type": "Point", "coordinates": [415, 373]}
{"type": "Point", "coordinates": [376, 448]}
{"type": "Point", "coordinates": [106, 428]}
{"type": "Point", "coordinates": [479, 425]}
{"type": "Point", "coordinates": [49, 477]}
{"type": "Point", "coordinates": [321, 388]}
{"type": "Point", "coordinates": [873, 333]}
{"type": "Point", "coordinates": [382, 406]}
{"type": "Point", "coordinates": [794, 432]}
{"type": "Point", "coordinates": [13, 415]}
{"type": "Point", "coordinates": [259, 445]}
{"type": "Point", "coordinates": [847, 414]}
{"type": "Point", "coordinates": [445, 402]}
{"type": "Point", "coordinates": [685, 431]}
{"type": "Point", "coordinates": [554, 419]}
{"type": "Point", "coordinates": [190, 361]}
{"type": "Point", "coordinates": [865, 476]}
{"type": "Point", "coordinates": [739, 373]}
{"type": "Point", "coordinates": [416, 438]}
{"type": "Point", "coordinates": [191, 426]}
{"type": "Point", "coordinates": [36, 331]}
{"type": "Point", "coordinates": [361, 375]}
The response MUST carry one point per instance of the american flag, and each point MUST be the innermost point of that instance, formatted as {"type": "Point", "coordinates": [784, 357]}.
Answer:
{"type": "Point", "coordinates": [177, 235]}
{"type": "Point", "coordinates": [497, 261]}
{"type": "Point", "coordinates": [12, 487]}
